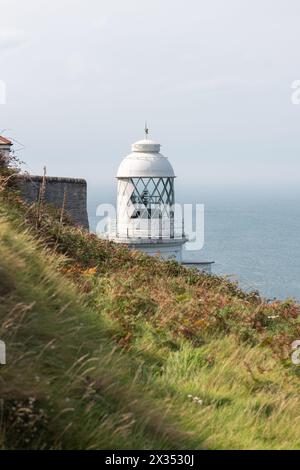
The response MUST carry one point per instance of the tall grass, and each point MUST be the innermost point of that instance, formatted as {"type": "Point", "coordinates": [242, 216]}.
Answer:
{"type": "Point", "coordinates": [112, 349]}
{"type": "Point", "coordinates": [65, 384]}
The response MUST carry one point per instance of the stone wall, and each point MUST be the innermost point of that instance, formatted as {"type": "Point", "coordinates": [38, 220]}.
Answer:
{"type": "Point", "coordinates": [74, 190]}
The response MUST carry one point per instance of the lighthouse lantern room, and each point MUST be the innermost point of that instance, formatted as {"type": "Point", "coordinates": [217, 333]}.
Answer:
{"type": "Point", "coordinates": [145, 203]}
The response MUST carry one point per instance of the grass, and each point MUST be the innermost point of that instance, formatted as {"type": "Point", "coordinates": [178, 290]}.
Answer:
{"type": "Point", "coordinates": [65, 384]}
{"type": "Point", "coordinates": [109, 348]}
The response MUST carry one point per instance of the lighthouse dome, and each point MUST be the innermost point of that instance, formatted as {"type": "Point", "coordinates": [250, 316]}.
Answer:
{"type": "Point", "coordinates": [145, 161]}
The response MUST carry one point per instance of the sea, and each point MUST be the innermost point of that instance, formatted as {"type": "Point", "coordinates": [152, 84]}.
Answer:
{"type": "Point", "coordinates": [251, 234]}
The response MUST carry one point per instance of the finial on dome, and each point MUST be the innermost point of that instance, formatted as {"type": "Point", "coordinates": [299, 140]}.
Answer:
{"type": "Point", "coordinates": [146, 130]}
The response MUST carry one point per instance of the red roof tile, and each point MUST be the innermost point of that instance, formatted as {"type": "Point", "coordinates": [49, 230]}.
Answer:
{"type": "Point", "coordinates": [5, 141]}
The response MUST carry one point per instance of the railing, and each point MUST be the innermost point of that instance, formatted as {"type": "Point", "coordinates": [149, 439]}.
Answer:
{"type": "Point", "coordinates": [151, 229]}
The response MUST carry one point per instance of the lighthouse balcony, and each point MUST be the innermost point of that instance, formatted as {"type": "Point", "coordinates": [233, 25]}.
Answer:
{"type": "Point", "coordinates": [150, 233]}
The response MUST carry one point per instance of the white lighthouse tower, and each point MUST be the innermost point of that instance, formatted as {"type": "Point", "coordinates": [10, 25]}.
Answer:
{"type": "Point", "coordinates": [145, 203]}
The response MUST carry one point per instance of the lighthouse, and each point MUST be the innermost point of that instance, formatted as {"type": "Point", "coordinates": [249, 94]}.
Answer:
{"type": "Point", "coordinates": [146, 203]}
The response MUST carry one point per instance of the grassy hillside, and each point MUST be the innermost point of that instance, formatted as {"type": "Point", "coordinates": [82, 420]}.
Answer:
{"type": "Point", "coordinates": [112, 349]}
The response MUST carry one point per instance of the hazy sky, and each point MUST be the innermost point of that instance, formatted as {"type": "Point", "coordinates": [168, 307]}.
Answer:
{"type": "Point", "coordinates": [213, 78]}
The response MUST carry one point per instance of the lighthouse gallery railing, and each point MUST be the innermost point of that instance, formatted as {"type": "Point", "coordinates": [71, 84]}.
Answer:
{"type": "Point", "coordinates": [151, 229]}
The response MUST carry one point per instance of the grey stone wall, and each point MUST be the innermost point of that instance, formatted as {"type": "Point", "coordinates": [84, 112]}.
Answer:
{"type": "Point", "coordinates": [56, 187]}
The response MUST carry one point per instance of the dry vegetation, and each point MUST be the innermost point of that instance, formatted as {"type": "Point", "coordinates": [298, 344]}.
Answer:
{"type": "Point", "coordinates": [101, 340]}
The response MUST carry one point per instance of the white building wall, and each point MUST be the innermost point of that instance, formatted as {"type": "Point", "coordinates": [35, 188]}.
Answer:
{"type": "Point", "coordinates": [5, 151]}
{"type": "Point", "coordinates": [166, 252]}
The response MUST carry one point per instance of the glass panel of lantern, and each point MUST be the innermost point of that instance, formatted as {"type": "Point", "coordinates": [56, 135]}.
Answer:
{"type": "Point", "coordinates": [152, 197]}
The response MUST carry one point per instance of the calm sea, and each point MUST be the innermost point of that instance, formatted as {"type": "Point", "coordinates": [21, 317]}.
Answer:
{"type": "Point", "coordinates": [253, 236]}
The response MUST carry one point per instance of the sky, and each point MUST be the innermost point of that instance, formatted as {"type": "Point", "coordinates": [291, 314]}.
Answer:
{"type": "Point", "coordinates": [212, 78]}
